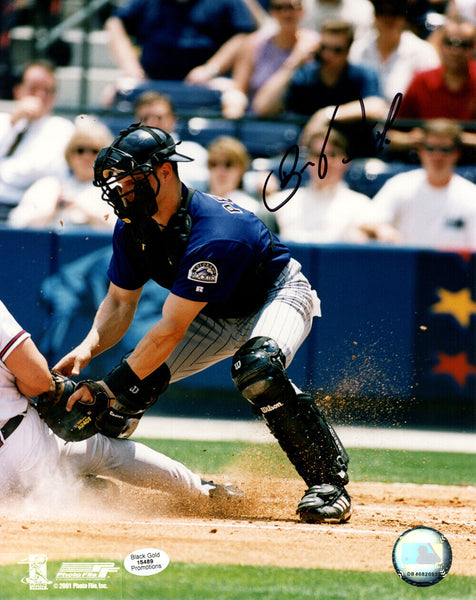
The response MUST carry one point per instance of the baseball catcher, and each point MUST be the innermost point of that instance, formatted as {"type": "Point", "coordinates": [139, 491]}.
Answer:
{"type": "Point", "coordinates": [235, 292]}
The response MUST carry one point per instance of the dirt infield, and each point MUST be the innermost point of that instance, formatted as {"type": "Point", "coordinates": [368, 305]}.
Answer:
{"type": "Point", "coordinates": [261, 529]}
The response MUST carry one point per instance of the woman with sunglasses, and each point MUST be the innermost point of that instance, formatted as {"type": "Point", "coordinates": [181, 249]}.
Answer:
{"type": "Point", "coordinates": [264, 53]}
{"type": "Point", "coordinates": [69, 200]}
{"type": "Point", "coordinates": [228, 161]}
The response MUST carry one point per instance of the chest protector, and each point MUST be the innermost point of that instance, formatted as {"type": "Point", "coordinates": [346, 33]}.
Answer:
{"type": "Point", "coordinates": [157, 252]}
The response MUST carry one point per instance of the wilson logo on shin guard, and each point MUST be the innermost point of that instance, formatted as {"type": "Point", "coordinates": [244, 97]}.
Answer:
{"type": "Point", "coordinates": [269, 408]}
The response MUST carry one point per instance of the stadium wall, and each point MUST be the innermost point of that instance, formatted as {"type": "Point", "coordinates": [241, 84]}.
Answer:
{"type": "Point", "coordinates": [396, 342]}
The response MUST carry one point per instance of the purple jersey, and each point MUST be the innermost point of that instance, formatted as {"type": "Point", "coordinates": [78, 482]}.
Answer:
{"type": "Point", "coordinates": [230, 261]}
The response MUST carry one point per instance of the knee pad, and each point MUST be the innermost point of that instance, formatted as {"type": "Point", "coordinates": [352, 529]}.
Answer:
{"type": "Point", "coordinates": [258, 371]}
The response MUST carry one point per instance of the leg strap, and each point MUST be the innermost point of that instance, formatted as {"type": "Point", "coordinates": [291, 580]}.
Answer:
{"type": "Point", "coordinates": [295, 420]}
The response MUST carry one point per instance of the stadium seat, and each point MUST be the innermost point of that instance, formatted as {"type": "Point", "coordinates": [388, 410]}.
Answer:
{"type": "Point", "coordinates": [367, 175]}
{"type": "Point", "coordinates": [117, 122]}
{"type": "Point", "coordinates": [186, 98]}
{"type": "Point", "coordinates": [268, 138]}
{"type": "Point", "coordinates": [203, 130]}
{"type": "Point", "coordinates": [467, 171]}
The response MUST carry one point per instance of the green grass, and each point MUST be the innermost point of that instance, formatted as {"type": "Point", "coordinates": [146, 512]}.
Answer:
{"type": "Point", "coordinates": [233, 582]}
{"type": "Point", "coordinates": [227, 582]}
{"type": "Point", "coordinates": [366, 464]}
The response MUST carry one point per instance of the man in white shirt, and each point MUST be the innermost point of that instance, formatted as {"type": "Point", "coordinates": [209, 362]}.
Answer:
{"type": "Point", "coordinates": [432, 206]}
{"type": "Point", "coordinates": [394, 52]}
{"type": "Point", "coordinates": [325, 210]}
{"type": "Point", "coordinates": [32, 140]}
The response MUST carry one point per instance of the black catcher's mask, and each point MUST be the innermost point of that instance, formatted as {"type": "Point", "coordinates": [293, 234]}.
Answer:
{"type": "Point", "coordinates": [134, 153]}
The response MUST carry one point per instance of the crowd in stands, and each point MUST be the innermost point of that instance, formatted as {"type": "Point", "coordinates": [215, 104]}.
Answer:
{"type": "Point", "coordinates": [32, 138]}
{"type": "Point", "coordinates": [365, 80]}
{"type": "Point", "coordinates": [68, 200]}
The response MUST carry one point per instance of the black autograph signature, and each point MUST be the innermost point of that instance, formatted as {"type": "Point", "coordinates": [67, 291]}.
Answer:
{"type": "Point", "coordinates": [322, 165]}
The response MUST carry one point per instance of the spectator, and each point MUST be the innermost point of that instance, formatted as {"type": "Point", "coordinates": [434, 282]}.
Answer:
{"type": "Point", "coordinates": [69, 200]}
{"type": "Point", "coordinates": [314, 89]}
{"type": "Point", "coordinates": [325, 210]}
{"type": "Point", "coordinates": [431, 206]}
{"type": "Point", "coordinates": [174, 36]}
{"type": "Point", "coordinates": [264, 52]}
{"type": "Point", "coordinates": [228, 161]}
{"type": "Point", "coordinates": [448, 91]}
{"type": "Point", "coordinates": [222, 62]}
{"type": "Point", "coordinates": [396, 54]}
{"type": "Point", "coordinates": [357, 12]}
{"type": "Point", "coordinates": [157, 110]}
{"type": "Point", "coordinates": [32, 140]}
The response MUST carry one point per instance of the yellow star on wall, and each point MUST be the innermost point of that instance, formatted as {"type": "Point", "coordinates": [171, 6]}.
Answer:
{"type": "Point", "coordinates": [459, 304]}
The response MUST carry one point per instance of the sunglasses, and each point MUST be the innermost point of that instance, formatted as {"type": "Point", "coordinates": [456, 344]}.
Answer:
{"type": "Point", "coordinates": [288, 6]}
{"type": "Point", "coordinates": [228, 164]}
{"type": "Point", "coordinates": [458, 43]}
{"type": "Point", "coordinates": [334, 49]}
{"type": "Point", "coordinates": [82, 150]}
{"type": "Point", "coordinates": [442, 149]}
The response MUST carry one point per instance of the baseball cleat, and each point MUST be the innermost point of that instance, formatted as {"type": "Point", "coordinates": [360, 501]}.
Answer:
{"type": "Point", "coordinates": [227, 491]}
{"type": "Point", "coordinates": [325, 503]}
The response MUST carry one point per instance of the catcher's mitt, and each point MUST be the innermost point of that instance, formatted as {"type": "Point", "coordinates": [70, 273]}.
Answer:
{"type": "Point", "coordinates": [80, 423]}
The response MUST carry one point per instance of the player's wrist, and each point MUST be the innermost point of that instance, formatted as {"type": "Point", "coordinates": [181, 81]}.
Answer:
{"type": "Point", "coordinates": [124, 385]}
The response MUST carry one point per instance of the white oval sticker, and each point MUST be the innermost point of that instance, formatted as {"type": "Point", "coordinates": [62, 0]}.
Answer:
{"type": "Point", "coordinates": [148, 561]}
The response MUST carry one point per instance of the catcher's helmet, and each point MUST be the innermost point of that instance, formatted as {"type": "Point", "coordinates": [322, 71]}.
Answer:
{"type": "Point", "coordinates": [133, 154]}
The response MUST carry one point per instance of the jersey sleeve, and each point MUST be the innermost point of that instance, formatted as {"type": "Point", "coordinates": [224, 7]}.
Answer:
{"type": "Point", "coordinates": [122, 271]}
{"type": "Point", "coordinates": [211, 273]}
{"type": "Point", "coordinates": [11, 333]}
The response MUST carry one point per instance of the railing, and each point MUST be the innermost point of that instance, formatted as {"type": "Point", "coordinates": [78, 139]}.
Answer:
{"type": "Point", "coordinates": [82, 17]}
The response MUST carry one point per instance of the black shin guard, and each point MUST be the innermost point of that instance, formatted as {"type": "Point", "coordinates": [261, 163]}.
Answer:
{"type": "Point", "coordinates": [295, 420]}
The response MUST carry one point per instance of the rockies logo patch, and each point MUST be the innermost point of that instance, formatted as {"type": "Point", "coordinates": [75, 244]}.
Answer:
{"type": "Point", "coordinates": [203, 271]}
